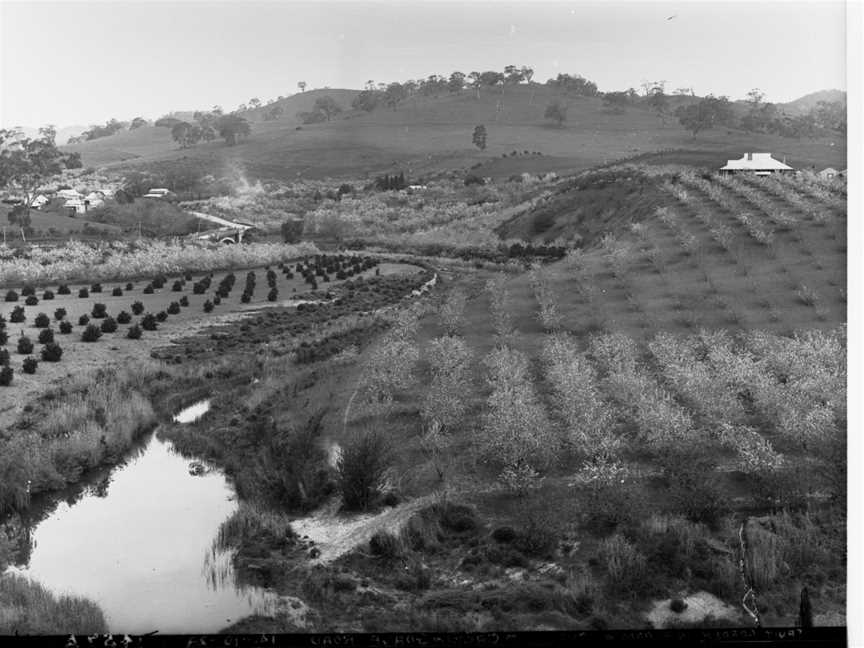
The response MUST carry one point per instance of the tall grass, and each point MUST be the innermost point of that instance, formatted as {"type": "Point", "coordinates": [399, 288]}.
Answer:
{"type": "Point", "coordinates": [94, 419]}
{"type": "Point", "coordinates": [27, 608]}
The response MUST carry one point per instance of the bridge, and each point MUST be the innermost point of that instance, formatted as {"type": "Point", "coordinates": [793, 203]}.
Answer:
{"type": "Point", "coordinates": [228, 231]}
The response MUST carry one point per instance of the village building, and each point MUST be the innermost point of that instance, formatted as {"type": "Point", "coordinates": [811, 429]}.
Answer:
{"type": "Point", "coordinates": [39, 202]}
{"type": "Point", "coordinates": [758, 163]}
{"type": "Point", "coordinates": [829, 173]}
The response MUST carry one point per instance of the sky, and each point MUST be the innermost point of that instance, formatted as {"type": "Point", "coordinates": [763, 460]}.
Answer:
{"type": "Point", "coordinates": [82, 63]}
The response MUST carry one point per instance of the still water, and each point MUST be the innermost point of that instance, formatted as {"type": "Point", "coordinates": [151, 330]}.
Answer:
{"type": "Point", "coordinates": [140, 544]}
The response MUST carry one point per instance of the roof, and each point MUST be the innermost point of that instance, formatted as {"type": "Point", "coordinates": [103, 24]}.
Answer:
{"type": "Point", "coordinates": [755, 162]}
{"type": "Point", "coordinates": [829, 170]}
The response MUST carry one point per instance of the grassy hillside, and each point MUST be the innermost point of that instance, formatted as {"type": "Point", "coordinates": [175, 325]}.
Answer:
{"type": "Point", "coordinates": [428, 133]}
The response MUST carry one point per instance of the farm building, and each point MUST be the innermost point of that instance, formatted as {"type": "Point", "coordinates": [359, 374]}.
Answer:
{"type": "Point", "coordinates": [829, 173]}
{"type": "Point", "coordinates": [39, 202]}
{"type": "Point", "coordinates": [758, 163]}
{"type": "Point", "coordinates": [157, 193]}
{"type": "Point", "coordinates": [75, 205]}
{"type": "Point", "coordinates": [93, 199]}
{"type": "Point", "coordinates": [69, 194]}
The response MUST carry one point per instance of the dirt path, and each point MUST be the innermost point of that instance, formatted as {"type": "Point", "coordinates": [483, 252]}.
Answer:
{"type": "Point", "coordinates": [335, 535]}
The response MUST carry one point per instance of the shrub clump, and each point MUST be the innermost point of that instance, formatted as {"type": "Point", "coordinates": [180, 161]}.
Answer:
{"type": "Point", "coordinates": [134, 332]}
{"type": "Point", "coordinates": [29, 365]}
{"type": "Point", "coordinates": [59, 314]}
{"type": "Point", "coordinates": [17, 315]}
{"type": "Point", "coordinates": [123, 317]}
{"type": "Point", "coordinates": [109, 325]}
{"type": "Point", "coordinates": [83, 293]}
{"type": "Point", "coordinates": [6, 374]}
{"type": "Point", "coordinates": [91, 334]}
{"type": "Point", "coordinates": [117, 292]}
{"type": "Point", "coordinates": [46, 336]}
{"type": "Point", "coordinates": [25, 345]}
{"type": "Point", "coordinates": [63, 289]}
{"type": "Point", "coordinates": [148, 322]}
{"type": "Point", "coordinates": [137, 308]}
{"type": "Point", "coordinates": [48, 294]}
{"type": "Point", "coordinates": [173, 308]}
{"type": "Point", "coordinates": [42, 321]}
{"type": "Point", "coordinates": [52, 352]}
{"type": "Point", "coordinates": [385, 545]}
{"type": "Point", "coordinates": [83, 320]}
{"type": "Point", "coordinates": [361, 468]}
{"type": "Point", "coordinates": [99, 311]}
{"type": "Point", "coordinates": [11, 296]}
{"type": "Point", "coordinates": [32, 300]}
{"type": "Point", "coordinates": [65, 327]}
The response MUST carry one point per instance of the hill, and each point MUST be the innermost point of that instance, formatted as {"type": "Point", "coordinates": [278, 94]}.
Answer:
{"type": "Point", "coordinates": [427, 133]}
{"type": "Point", "coordinates": [804, 104]}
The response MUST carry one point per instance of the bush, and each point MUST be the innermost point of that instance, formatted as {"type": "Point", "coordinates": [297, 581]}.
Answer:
{"type": "Point", "coordinates": [123, 317]}
{"type": "Point", "coordinates": [184, 301]}
{"type": "Point", "coordinates": [63, 289]}
{"type": "Point", "coordinates": [117, 292]}
{"type": "Point", "coordinates": [25, 345]}
{"type": "Point", "coordinates": [361, 469]}
{"type": "Point", "coordinates": [65, 327]}
{"type": "Point", "coordinates": [385, 545]}
{"type": "Point", "coordinates": [217, 300]}
{"type": "Point", "coordinates": [472, 179]}
{"type": "Point", "coordinates": [177, 286]}
{"type": "Point", "coordinates": [137, 308]}
{"type": "Point", "coordinates": [134, 332]}
{"type": "Point", "coordinates": [48, 294]}
{"type": "Point", "coordinates": [83, 320]}
{"type": "Point", "coordinates": [29, 365]}
{"type": "Point", "coordinates": [161, 316]}
{"type": "Point", "coordinates": [4, 337]}
{"type": "Point", "coordinates": [17, 315]}
{"type": "Point", "coordinates": [173, 308]}
{"type": "Point", "coordinates": [208, 306]}
{"type": "Point", "coordinates": [273, 295]}
{"type": "Point", "coordinates": [46, 336]}
{"type": "Point", "coordinates": [129, 287]}
{"type": "Point", "coordinates": [159, 281]}
{"type": "Point", "coordinates": [4, 356]}
{"type": "Point", "coordinates": [32, 300]}
{"type": "Point", "coordinates": [96, 288]}
{"type": "Point", "coordinates": [99, 311]}
{"type": "Point", "coordinates": [83, 293]}
{"type": "Point", "coordinates": [52, 352]}
{"type": "Point", "coordinates": [42, 321]}
{"type": "Point", "coordinates": [148, 322]}
{"type": "Point", "coordinates": [677, 605]}
{"type": "Point", "coordinates": [59, 314]}
{"type": "Point", "coordinates": [91, 333]}
{"type": "Point", "coordinates": [11, 296]}
{"type": "Point", "coordinates": [6, 374]}
{"type": "Point", "coordinates": [26, 291]}
{"type": "Point", "coordinates": [246, 297]}
{"type": "Point", "coordinates": [148, 289]}
{"type": "Point", "coordinates": [109, 325]}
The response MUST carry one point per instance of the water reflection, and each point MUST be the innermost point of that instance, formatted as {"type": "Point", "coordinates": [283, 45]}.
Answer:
{"type": "Point", "coordinates": [193, 412]}
{"type": "Point", "coordinates": [134, 541]}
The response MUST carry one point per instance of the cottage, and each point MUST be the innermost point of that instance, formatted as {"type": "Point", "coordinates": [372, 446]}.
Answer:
{"type": "Point", "coordinates": [69, 194]}
{"type": "Point", "coordinates": [758, 163]}
{"type": "Point", "coordinates": [93, 199]}
{"type": "Point", "coordinates": [39, 202]}
{"type": "Point", "coordinates": [157, 193]}
{"type": "Point", "coordinates": [829, 173]}
{"type": "Point", "coordinates": [75, 206]}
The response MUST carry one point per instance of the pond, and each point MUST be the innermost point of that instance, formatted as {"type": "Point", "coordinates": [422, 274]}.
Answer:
{"type": "Point", "coordinates": [140, 544]}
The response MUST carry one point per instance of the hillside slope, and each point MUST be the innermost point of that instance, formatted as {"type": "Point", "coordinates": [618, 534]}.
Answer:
{"type": "Point", "coordinates": [427, 133]}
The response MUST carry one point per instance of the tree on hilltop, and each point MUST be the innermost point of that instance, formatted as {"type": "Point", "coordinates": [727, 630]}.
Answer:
{"type": "Point", "coordinates": [556, 111]}
{"type": "Point", "coordinates": [479, 137]}
{"type": "Point", "coordinates": [138, 122]}
{"type": "Point", "coordinates": [302, 86]}
{"type": "Point", "coordinates": [327, 106]}
{"type": "Point", "coordinates": [232, 126]}
{"type": "Point", "coordinates": [710, 112]}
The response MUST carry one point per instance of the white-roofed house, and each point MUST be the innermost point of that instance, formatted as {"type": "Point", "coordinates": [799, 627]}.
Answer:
{"type": "Point", "coordinates": [829, 173]}
{"type": "Point", "coordinates": [39, 202]}
{"type": "Point", "coordinates": [68, 194]}
{"type": "Point", "coordinates": [758, 163]}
